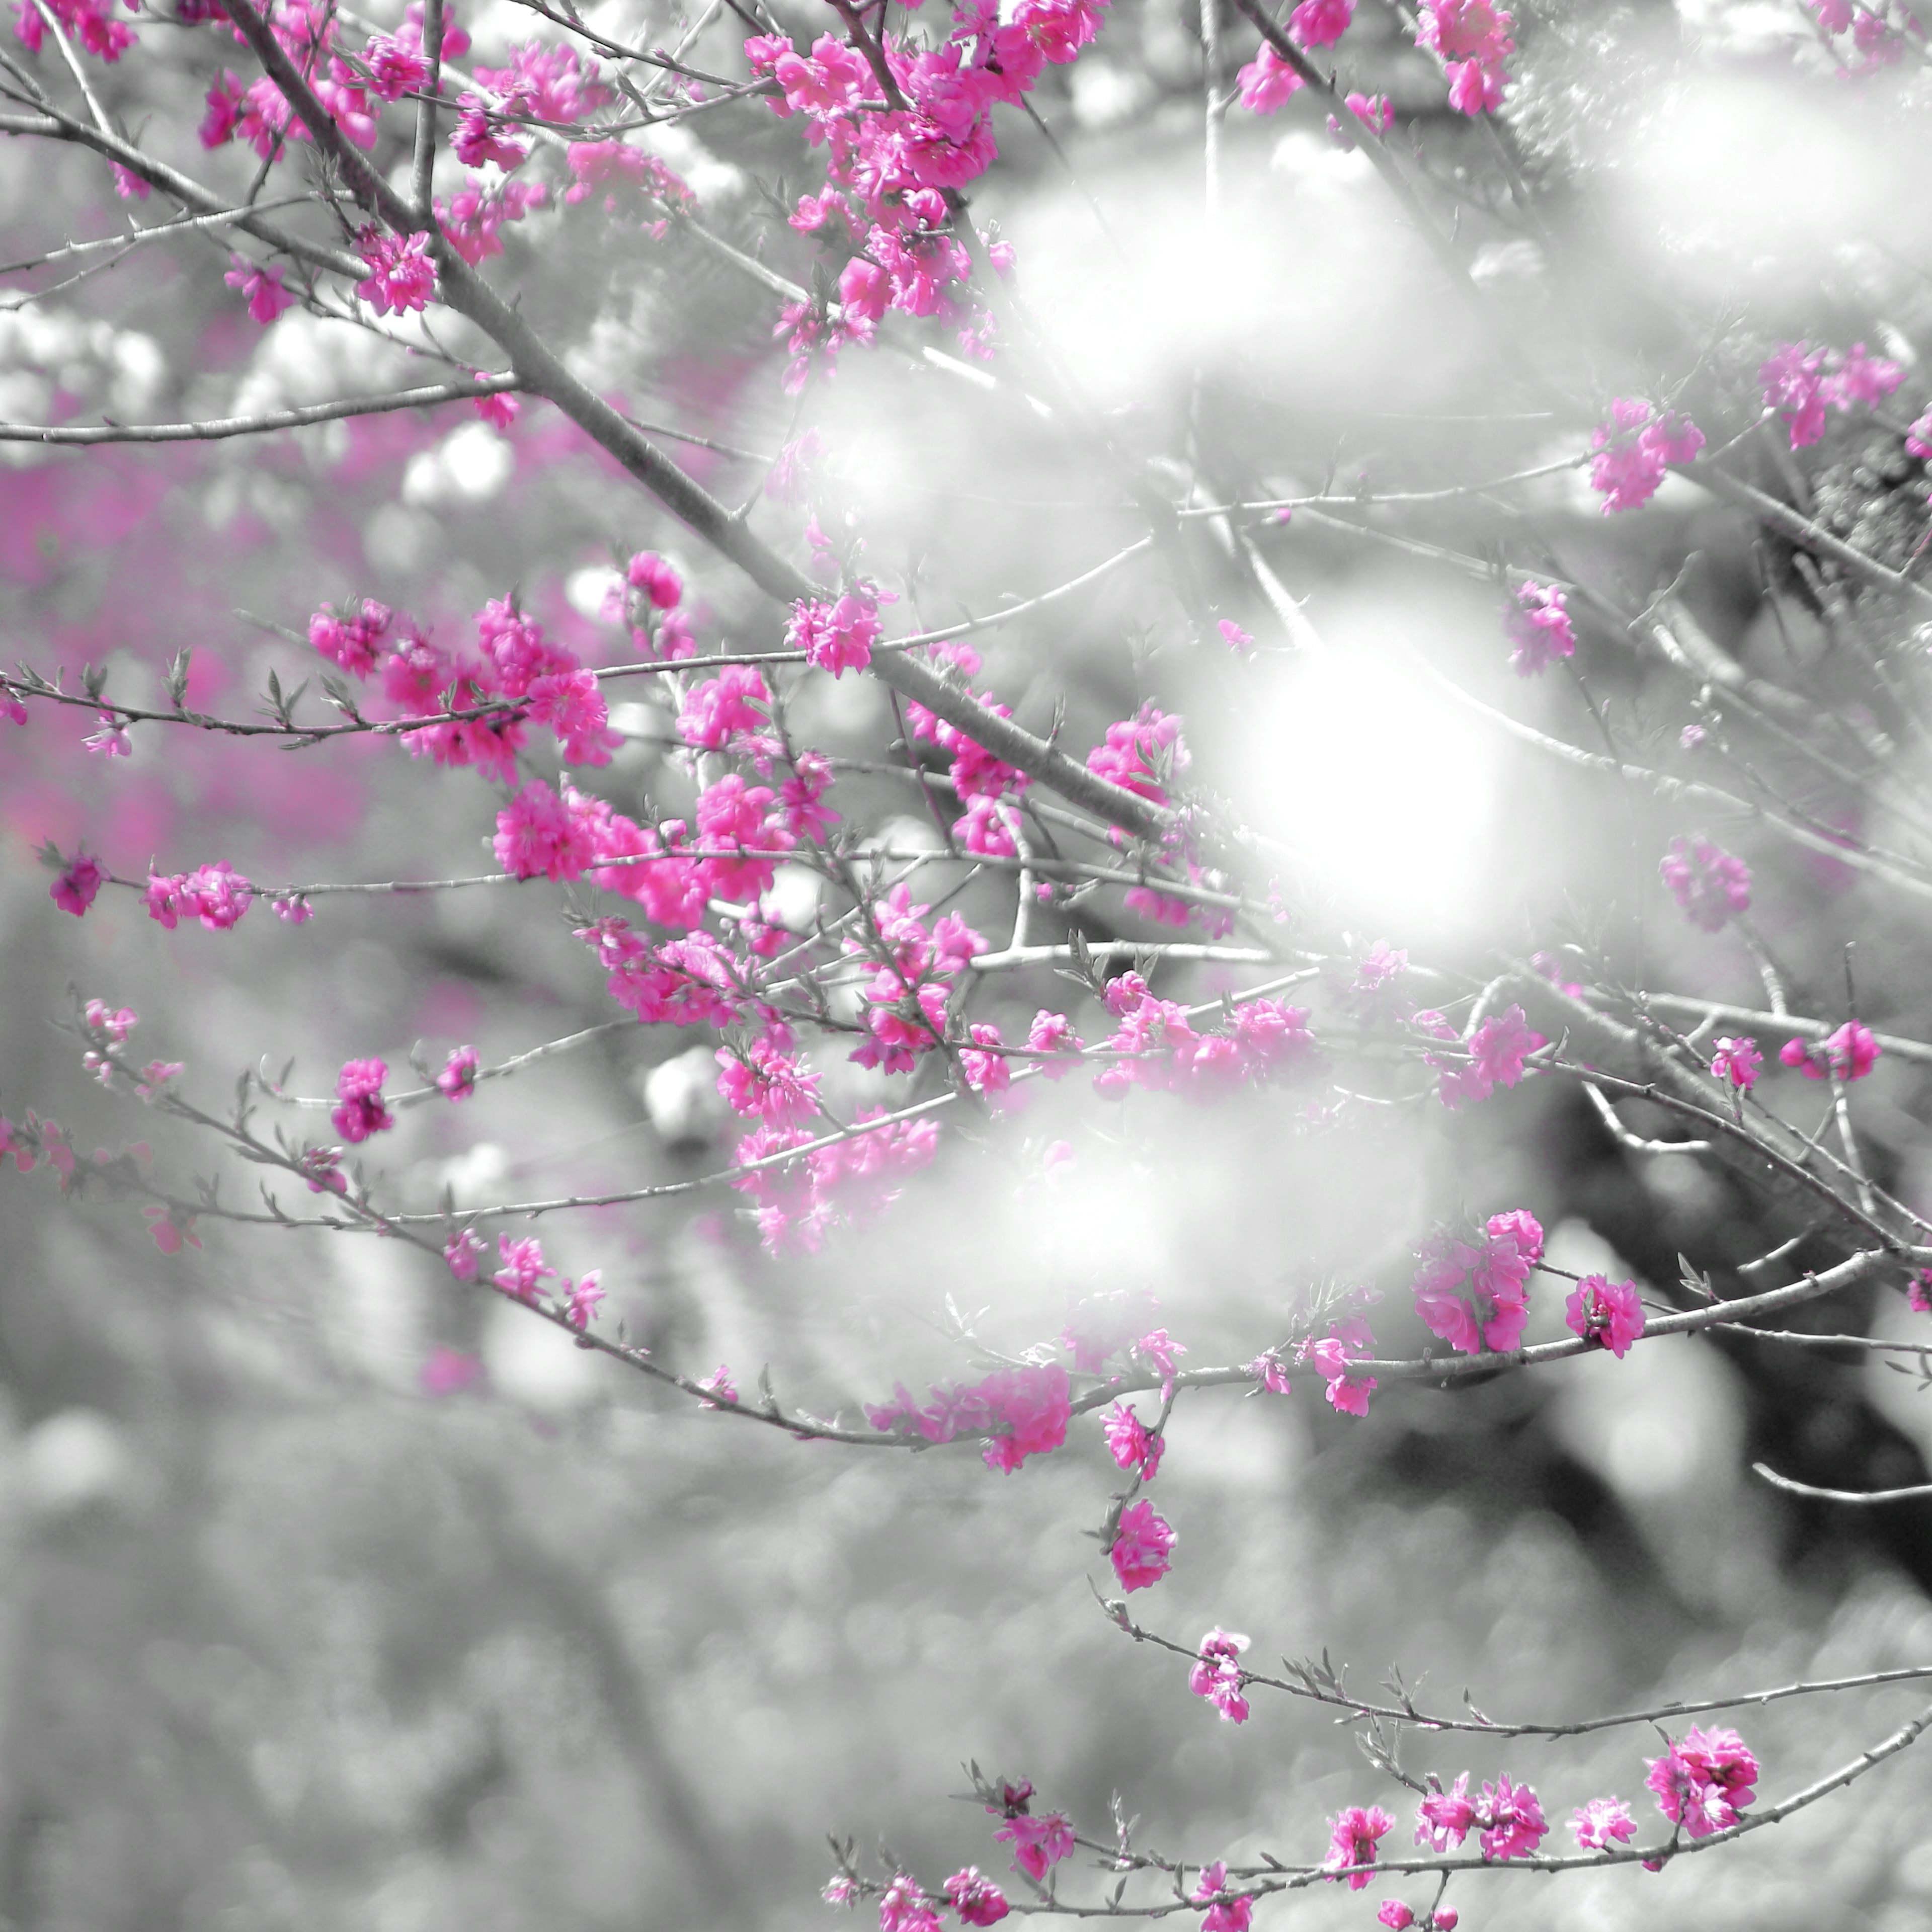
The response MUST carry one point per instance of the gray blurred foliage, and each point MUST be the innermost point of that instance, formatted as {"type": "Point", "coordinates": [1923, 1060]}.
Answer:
{"type": "Point", "coordinates": [286, 1642]}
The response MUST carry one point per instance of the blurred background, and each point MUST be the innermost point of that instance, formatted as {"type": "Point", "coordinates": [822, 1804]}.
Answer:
{"type": "Point", "coordinates": [335, 1595]}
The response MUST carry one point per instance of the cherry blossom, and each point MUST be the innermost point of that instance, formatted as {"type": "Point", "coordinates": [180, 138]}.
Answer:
{"type": "Point", "coordinates": [1607, 1313]}
{"type": "Point", "coordinates": [1352, 1843]}
{"type": "Point", "coordinates": [1141, 1548]}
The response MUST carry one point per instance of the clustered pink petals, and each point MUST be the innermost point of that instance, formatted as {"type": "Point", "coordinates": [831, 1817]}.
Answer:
{"type": "Point", "coordinates": [1507, 1818]}
{"type": "Point", "coordinates": [1918, 1291]}
{"type": "Point", "coordinates": [1711, 885]}
{"type": "Point", "coordinates": [1021, 1411]}
{"type": "Point", "coordinates": [1141, 1548]}
{"type": "Point", "coordinates": [401, 278]}
{"type": "Point", "coordinates": [904, 1908]}
{"type": "Point", "coordinates": [1223, 1914]}
{"type": "Point", "coordinates": [1849, 1054]}
{"type": "Point", "coordinates": [1539, 629]}
{"type": "Point", "coordinates": [261, 287]}
{"type": "Point", "coordinates": [1634, 449]}
{"type": "Point", "coordinates": [458, 1080]}
{"type": "Point", "coordinates": [1216, 1674]}
{"type": "Point", "coordinates": [1471, 39]}
{"type": "Point", "coordinates": [978, 1900]}
{"type": "Point", "coordinates": [1497, 1050]}
{"type": "Point", "coordinates": [1129, 1442]}
{"type": "Point", "coordinates": [362, 1111]}
{"type": "Point", "coordinates": [1704, 1781]}
{"type": "Point", "coordinates": [1346, 1342]}
{"type": "Point", "coordinates": [1038, 1843]}
{"type": "Point", "coordinates": [1352, 1844]}
{"type": "Point", "coordinates": [1602, 1820]}
{"type": "Point", "coordinates": [78, 884]}
{"type": "Point", "coordinates": [1608, 1313]}
{"type": "Point", "coordinates": [1475, 1296]}
{"type": "Point", "coordinates": [1737, 1062]}
{"type": "Point", "coordinates": [1800, 382]}
{"type": "Point", "coordinates": [217, 895]}
{"type": "Point", "coordinates": [462, 1252]}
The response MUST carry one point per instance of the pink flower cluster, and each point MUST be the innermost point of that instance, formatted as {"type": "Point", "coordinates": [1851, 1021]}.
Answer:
{"type": "Point", "coordinates": [1039, 1843]}
{"type": "Point", "coordinates": [613, 165]}
{"type": "Point", "coordinates": [89, 24]}
{"type": "Point", "coordinates": [1608, 1313]}
{"type": "Point", "coordinates": [799, 1201]}
{"type": "Point", "coordinates": [1141, 754]}
{"type": "Point", "coordinates": [1216, 1674]}
{"type": "Point", "coordinates": [1507, 1818]}
{"type": "Point", "coordinates": [471, 217]}
{"type": "Point", "coordinates": [1471, 39]}
{"type": "Point", "coordinates": [1475, 1295]}
{"type": "Point", "coordinates": [543, 82]}
{"type": "Point", "coordinates": [401, 277]}
{"type": "Point", "coordinates": [217, 895]}
{"type": "Point", "coordinates": [1704, 1781]}
{"type": "Point", "coordinates": [1496, 1051]}
{"type": "Point", "coordinates": [360, 1109]}
{"type": "Point", "coordinates": [1352, 1843]}
{"type": "Point", "coordinates": [1878, 39]}
{"type": "Point", "coordinates": [1224, 1914]}
{"type": "Point", "coordinates": [1737, 1062]}
{"type": "Point", "coordinates": [988, 788]}
{"type": "Point", "coordinates": [1711, 885]}
{"type": "Point", "coordinates": [838, 636]}
{"type": "Point", "coordinates": [1130, 1445]}
{"type": "Point", "coordinates": [1022, 1412]}
{"type": "Point", "coordinates": [888, 167]}
{"type": "Point", "coordinates": [78, 882]}
{"type": "Point", "coordinates": [1849, 1054]}
{"type": "Point", "coordinates": [1539, 629]}
{"type": "Point", "coordinates": [1633, 450]}
{"type": "Point", "coordinates": [1800, 382]}
{"type": "Point", "coordinates": [1142, 1545]}
{"type": "Point", "coordinates": [260, 287]}
{"type": "Point", "coordinates": [1155, 1045]}
{"type": "Point", "coordinates": [1347, 1342]}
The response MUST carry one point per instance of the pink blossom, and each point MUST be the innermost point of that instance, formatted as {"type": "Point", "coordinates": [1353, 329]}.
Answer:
{"type": "Point", "coordinates": [1216, 1674]}
{"type": "Point", "coordinates": [1711, 885]}
{"type": "Point", "coordinates": [1608, 1313]}
{"type": "Point", "coordinates": [1857, 377]}
{"type": "Point", "coordinates": [261, 287]}
{"type": "Point", "coordinates": [1037, 1842]}
{"type": "Point", "coordinates": [523, 1266]}
{"type": "Point", "coordinates": [1229, 1915]}
{"type": "Point", "coordinates": [537, 832]}
{"type": "Point", "coordinates": [1632, 451]}
{"type": "Point", "coordinates": [1793, 385]}
{"type": "Point", "coordinates": [1918, 1291]}
{"type": "Point", "coordinates": [983, 1067]}
{"type": "Point", "coordinates": [1476, 1297]}
{"type": "Point", "coordinates": [1031, 1407]}
{"type": "Point", "coordinates": [1376, 112]}
{"type": "Point", "coordinates": [351, 640]}
{"type": "Point", "coordinates": [721, 1391]}
{"type": "Point", "coordinates": [1919, 437]}
{"type": "Point", "coordinates": [10, 707]}
{"type": "Point", "coordinates": [1513, 1822]}
{"type": "Point", "coordinates": [1141, 1547]}
{"type": "Point", "coordinates": [362, 1111]}
{"type": "Point", "coordinates": [1351, 1843]}
{"type": "Point", "coordinates": [1129, 1444]}
{"type": "Point", "coordinates": [395, 68]}
{"type": "Point", "coordinates": [904, 1908]}
{"type": "Point", "coordinates": [583, 1300]}
{"type": "Point", "coordinates": [462, 1252]}
{"type": "Point", "coordinates": [292, 908]}
{"type": "Point", "coordinates": [1539, 629]}
{"type": "Point", "coordinates": [1472, 38]}
{"type": "Point", "coordinates": [401, 278]}
{"type": "Point", "coordinates": [648, 573]}
{"type": "Point", "coordinates": [1268, 81]}
{"type": "Point", "coordinates": [572, 704]}
{"type": "Point", "coordinates": [81, 878]}
{"type": "Point", "coordinates": [1321, 23]}
{"type": "Point", "coordinates": [721, 708]}
{"type": "Point", "coordinates": [1497, 1050]}
{"type": "Point", "coordinates": [1738, 1061]}
{"type": "Point", "coordinates": [1849, 1054]}
{"type": "Point", "coordinates": [1444, 1818]}
{"type": "Point", "coordinates": [1346, 1342]}
{"type": "Point", "coordinates": [1393, 1913]}
{"type": "Point", "coordinates": [117, 1026]}
{"type": "Point", "coordinates": [1267, 1369]}
{"type": "Point", "coordinates": [978, 1900]}
{"type": "Point", "coordinates": [1158, 1350]}
{"type": "Point", "coordinates": [1143, 753]}
{"type": "Point", "coordinates": [458, 1080]}
{"type": "Point", "coordinates": [322, 1169]}
{"type": "Point", "coordinates": [1237, 639]}
{"type": "Point", "coordinates": [1601, 1820]}
{"type": "Point", "coordinates": [837, 636]}
{"type": "Point", "coordinates": [1704, 1781]}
